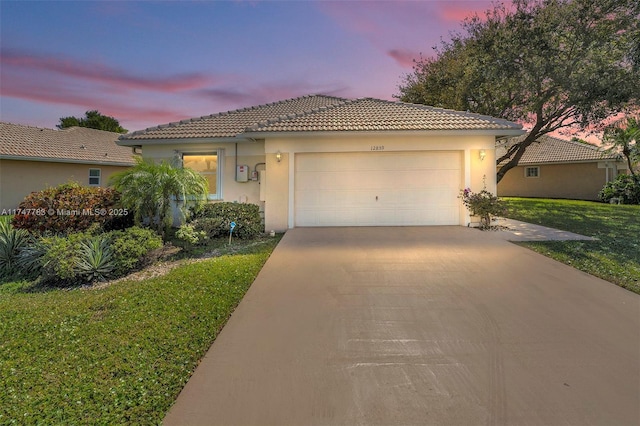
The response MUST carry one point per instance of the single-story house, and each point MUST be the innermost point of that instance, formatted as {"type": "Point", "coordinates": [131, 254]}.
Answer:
{"type": "Point", "coordinates": [33, 158]}
{"type": "Point", "coordinates": [326, 161]}
{"type": "Point", "coordinates": [556, 168]}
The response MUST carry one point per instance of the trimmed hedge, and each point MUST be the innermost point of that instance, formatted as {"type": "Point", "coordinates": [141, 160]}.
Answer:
{"type": "Point", "coordinates": [215, 220]}
{"type": "Point", "coordinates": [71, 207]}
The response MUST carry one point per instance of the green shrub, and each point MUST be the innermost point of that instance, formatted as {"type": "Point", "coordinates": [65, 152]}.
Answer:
{"type": "Point", "coordinates": [81, 256]}
{"type": "Point", "coordinates": [61, 256]}
{"type": "Point", "coordinates": [626, 188]}
{"type": "Point", "coordinates": [130, 246]}
{"type": "Point", "coordinates": [211, 227]}
{"type": "Point", "coordinates": [71, 208]}
{"type": "Point", "coordinates": [95, 259]}
{"type": "Point", "coordinates": [246, 217]}
{"type": "Point", "coordinates": [190, 235]}
{"type": "Point", "coordinates": [12, 241]}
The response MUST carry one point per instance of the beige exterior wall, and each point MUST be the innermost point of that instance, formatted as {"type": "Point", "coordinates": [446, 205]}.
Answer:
{"type": "Point", "coordinates": [279, 207]}
{"type": "Point", "coordinates": [580, 181]}
{"type": "Point", "coordinates": [249, 154]}
{"type": "Point", "coordinates": [278, 184]}
{"type": "Point", "coordinates": [19, 178]}
{"type": "Point", "coordinates": [277, 197]}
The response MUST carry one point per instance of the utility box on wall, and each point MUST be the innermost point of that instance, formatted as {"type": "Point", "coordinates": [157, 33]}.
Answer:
{"type": "Point", "coordinates": [242, 174]}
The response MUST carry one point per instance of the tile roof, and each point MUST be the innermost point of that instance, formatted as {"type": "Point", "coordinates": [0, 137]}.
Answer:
{"type": "Point", "coordinates": [75, 144]}
{"type": "Point", "coordinates": [548, 149]}
{"type": "Point", "coordinates": [368, 114]}
{"type": "Point", "coordinates": [323, 113]}
{"type": "Point", "coordinates": [233, 123]}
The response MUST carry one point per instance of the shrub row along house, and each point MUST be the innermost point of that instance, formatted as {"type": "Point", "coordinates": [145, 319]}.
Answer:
{"type": "Point", "coordinates": [33, 158]}
{"type": "Point", "coordinates": [325, 161]}
{"type": "Point", "coordinates": [558, 168]}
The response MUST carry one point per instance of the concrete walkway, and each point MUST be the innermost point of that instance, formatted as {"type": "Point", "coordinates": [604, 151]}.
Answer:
{"type": "Point", "coordinates": [419, 326]}
{"type": "Point", "coordinates": [515, 230]}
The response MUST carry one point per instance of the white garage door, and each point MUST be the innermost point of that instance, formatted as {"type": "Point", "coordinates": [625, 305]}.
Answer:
{"type": "Point", "coordinates": [378, 188]}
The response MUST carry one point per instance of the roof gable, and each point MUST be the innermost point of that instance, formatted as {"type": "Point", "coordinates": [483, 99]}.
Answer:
{"type": "Point", "coordinates": [75, 144]}
{"type": "Point", "coordinates": [549, 149]}
{"type": "Point", "coordinates": [316, 113]}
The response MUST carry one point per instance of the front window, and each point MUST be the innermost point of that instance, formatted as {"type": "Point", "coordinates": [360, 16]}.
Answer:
{"type": "Point", "coordinates": [208, 166]}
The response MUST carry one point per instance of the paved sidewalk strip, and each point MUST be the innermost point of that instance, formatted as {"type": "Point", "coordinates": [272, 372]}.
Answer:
{"type": "Point", "coordinates": [523, 231]}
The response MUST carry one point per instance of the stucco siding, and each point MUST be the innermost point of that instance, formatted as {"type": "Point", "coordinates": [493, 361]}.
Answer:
{"type": "Point", "coordinates": [581, 181]}
{"type": "Point", "coordinates": [19, 178]}
{"type": "Point", "coordinates": [278, 187]}
{"type": "Point", "coordinates": [279, 208]}
{"type": "Point", "coordinates": [250, 155]}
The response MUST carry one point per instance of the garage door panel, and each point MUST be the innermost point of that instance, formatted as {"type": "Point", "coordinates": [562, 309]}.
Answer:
{"type": "Point", "coordinates": [340, 189]}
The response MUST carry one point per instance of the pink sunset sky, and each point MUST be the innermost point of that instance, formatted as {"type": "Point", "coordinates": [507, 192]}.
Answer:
{"type": "Point", "coordinates": [148, 63]}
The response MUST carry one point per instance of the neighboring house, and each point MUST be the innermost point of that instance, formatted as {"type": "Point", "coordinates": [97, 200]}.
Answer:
{"type": "Point", "coordinates": [325, 161]}
{"type": "Point", "coordinates": [33, 158]}
{"type": "Point", "coordinates": [558, 168]}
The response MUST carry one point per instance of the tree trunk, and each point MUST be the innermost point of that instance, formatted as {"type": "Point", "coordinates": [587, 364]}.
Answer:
{"type": "Point", "coordinates": [534, 134]}
{"type": "Point", "coordinates": [627, 154]}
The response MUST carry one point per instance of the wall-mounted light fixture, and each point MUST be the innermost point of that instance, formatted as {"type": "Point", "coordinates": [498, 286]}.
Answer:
{"type": "Point", "coordinates": [483, 154]}
{"type": "Point", "coordinates": [279, 156]}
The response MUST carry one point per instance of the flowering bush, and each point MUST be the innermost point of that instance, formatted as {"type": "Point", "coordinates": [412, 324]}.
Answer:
{"type": "Point", "coordinates": [483, 204]}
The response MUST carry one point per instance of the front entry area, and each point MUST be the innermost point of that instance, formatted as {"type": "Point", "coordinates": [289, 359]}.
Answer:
{"type": "Point", "coordinates": [378, 188]}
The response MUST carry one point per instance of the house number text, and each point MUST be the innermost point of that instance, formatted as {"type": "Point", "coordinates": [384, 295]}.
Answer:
{"type": "Point", "coordinates": [377, 147]}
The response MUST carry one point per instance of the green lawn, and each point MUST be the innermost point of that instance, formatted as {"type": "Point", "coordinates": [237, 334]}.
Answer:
{"type": "Point", "coordinates": [116, 355]}
{"type": "Point", "coordinates": [614, 257]}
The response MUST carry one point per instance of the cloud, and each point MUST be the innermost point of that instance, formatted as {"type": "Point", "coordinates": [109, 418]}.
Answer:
{"type": "Point", "coordinates": [96, 72]}
{"type": "Point", "coordinates": [40, 91]}
{"type": "Point", "coordinates": [55, 80]}
{"type": "Point", "coordinates": [405, 58]}
{"type": "Point", "coordinates": [396, 30]}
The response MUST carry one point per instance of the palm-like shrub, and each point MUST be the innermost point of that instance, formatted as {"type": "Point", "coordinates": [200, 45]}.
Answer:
{"type": "Point", "coordinates": [623, 137]}
{"type": "Point", "coordinates": [95, 259]}
{"type": "Point", "coordinates": [12, 241]}
{"type": "Point", "coordinates": [153, 189]}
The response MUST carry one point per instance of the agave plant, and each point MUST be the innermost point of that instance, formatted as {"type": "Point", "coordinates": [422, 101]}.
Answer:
{"type": "Point", "coordinates": [30, 258]}
{"type": "Point", "coordinates": [12, 241]}
{"type": "Point", "coordinates": [95, 260]}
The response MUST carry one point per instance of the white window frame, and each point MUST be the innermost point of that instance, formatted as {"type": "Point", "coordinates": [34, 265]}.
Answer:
{"type": "Point", "coordinates": [219, 153]}
{"type": "Point", "coordinates": [537, 172]}
{"type": "Point", "coordinates": [93, 177]}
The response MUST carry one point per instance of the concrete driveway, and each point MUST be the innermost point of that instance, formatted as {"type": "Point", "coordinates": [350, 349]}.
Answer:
{"type": "Point", "coordinates": [434, 325]}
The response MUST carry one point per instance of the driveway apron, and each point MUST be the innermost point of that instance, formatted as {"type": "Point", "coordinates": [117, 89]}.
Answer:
{"type": "Point", "coordinates": [419, 325]}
